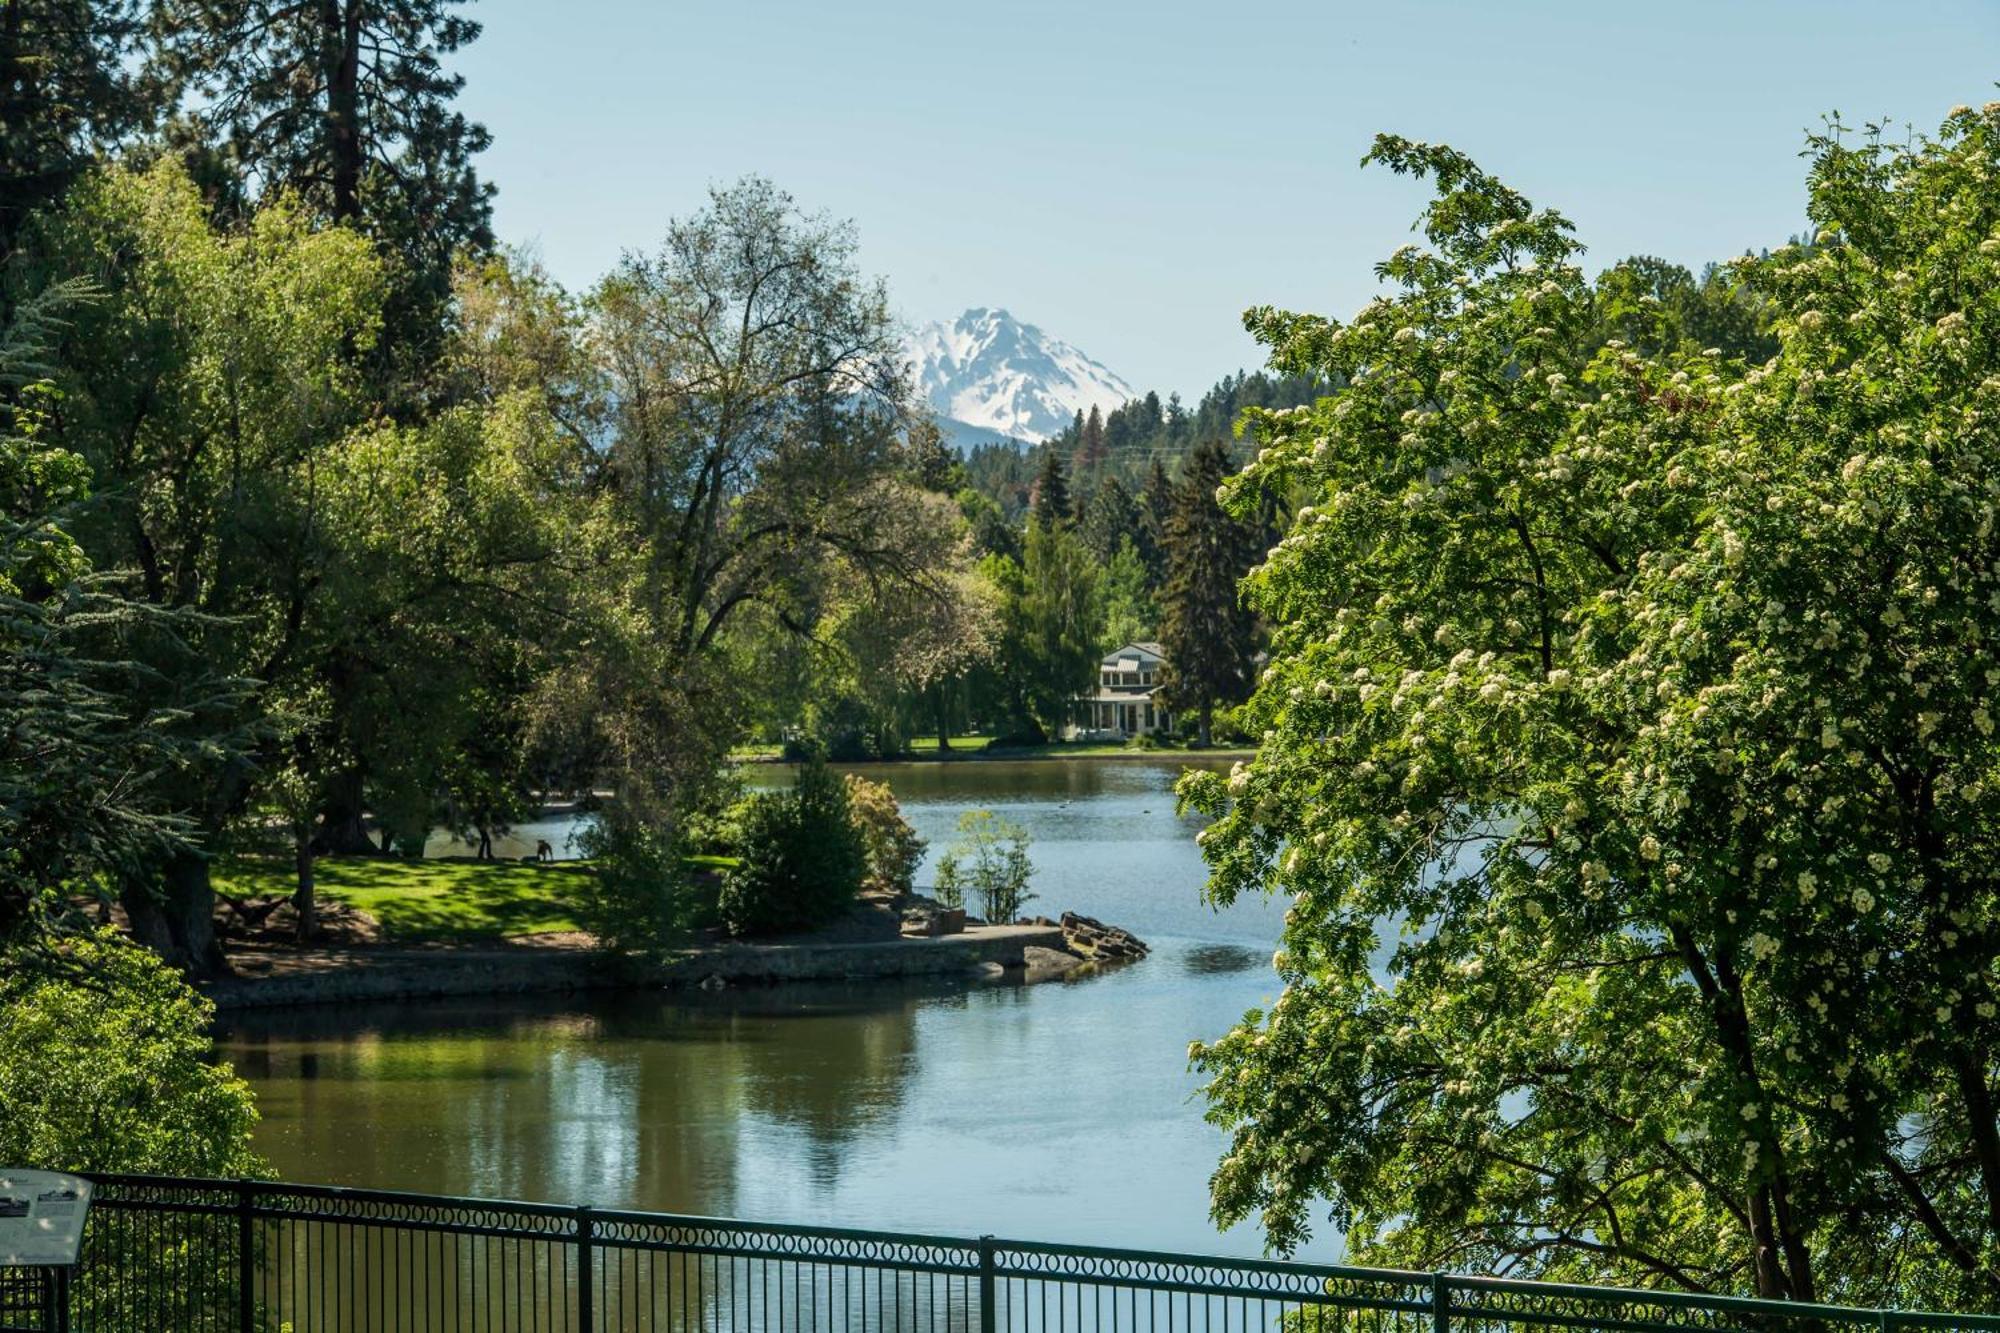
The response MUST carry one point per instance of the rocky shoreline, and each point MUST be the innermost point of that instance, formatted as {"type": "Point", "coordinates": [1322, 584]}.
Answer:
{"type": "Point", "coordinates": [1032, 950]}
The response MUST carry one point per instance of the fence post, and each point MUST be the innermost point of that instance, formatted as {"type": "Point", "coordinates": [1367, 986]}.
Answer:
{"type": "Point", "coordinates": [986, 1311]}
{"type": "Point", "coordinates": [246, 1262]}
{"type": "Point", "coordinates": [1440, 1303]}
{"type": "Point", "coordinates": [586, 1317]}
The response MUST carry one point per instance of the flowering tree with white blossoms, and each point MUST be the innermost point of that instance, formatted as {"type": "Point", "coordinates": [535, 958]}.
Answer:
{"type": "Point", "coordinates": [1628, 756]}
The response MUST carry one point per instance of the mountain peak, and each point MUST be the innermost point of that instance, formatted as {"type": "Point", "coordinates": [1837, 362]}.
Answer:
{"type": "Point", "coordinates": [989, 375]}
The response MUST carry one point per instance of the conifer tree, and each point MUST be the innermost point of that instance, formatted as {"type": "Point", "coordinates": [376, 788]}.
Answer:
{"type": "Point", "coordinates": [1110, 519]}
{"type": "Point", "coordinates": [1156, 504]}
{"type": "Point", "coordinates": [1049, 502]}
{"type": "Point", "coordinates": [1208, 633]}
{"type": "Point", "coordinates": [347, 103]}
{"type": "Point", "coordinates": [1090, 448]}
{"type": "Point", "coordinates": [68, 87]}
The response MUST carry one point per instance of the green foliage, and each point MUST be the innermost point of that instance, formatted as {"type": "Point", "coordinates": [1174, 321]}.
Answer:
{"type": "Point", "coordinates": [804, 858]}
{"type": "Point", "coordinates": [73, 88]}
{"type": "Point", "coordinates": [1049, 503]}
{"type": "Point", "coordinates": [1657, 307]}
{"type": "Point", "coordinates": [989, 863]}
{"type": "Point", "coordinates": [109, 711]}
{"type": "Point", "coordinates": [643, 894]}
{"type": "Point", "coordinates": [1207, 631]}
{"type": "Point", "coordinates": [1051, 617]}
{"type": "Point", "coordinates": [1131, 615]}
{"type": "Point", "coordinates": [105, 1066]}
{"type": "Point", "coordinates": [350, 114]}
{"type": "Point", "coordinates": [893, 849]}
{"type": "Point", "coordinates": [1627, 755]}
{"type": "Point", "coordinates": [436, 900]}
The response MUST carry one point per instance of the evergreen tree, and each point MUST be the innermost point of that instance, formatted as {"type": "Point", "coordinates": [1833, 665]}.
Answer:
{"type": "Point", "coordinates": [346, 103]}
{"type": "Point", "coordinates": [1156, 505]}
{"type": "Point", "coordinates": [1090, 446]}
{"type": "Point", "coordinates": [932, 463]}
{"type": "Point", "coordinates": [1050, 500]}
{"type": "Point", "coordinates": [1208, 633]}
{"type": "Point", "coordinates": [1111, 518]}
{"type": "Point", "coordinates": [68, 88]}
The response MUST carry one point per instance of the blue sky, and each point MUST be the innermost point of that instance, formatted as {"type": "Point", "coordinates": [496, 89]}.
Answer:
{"type": "Point", "coordinates": [1130, 176]}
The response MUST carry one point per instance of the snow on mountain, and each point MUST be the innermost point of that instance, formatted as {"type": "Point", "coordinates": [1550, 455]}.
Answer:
{"type": "Point", "coordinates": [988, 375]}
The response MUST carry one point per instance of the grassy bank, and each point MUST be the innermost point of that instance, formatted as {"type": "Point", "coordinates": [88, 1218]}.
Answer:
{"type": "Point", "coordinates": [443, 901]}
{"type": "Point", "coordinates": [925, 749]}
{"type": "Point", "coordinates": [974, 747]}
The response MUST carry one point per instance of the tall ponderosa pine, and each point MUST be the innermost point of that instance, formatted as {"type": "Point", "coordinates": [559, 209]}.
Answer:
{"type": "Point", "coordinates": [68, 88]}
{"type": "Point", "coordinates": [345, 102]}
{"type": "Point", "coordinates": [1208, 633]}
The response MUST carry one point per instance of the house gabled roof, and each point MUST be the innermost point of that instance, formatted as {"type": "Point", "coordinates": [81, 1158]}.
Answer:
{"type": "Point", "coordinates": [1140, 650]}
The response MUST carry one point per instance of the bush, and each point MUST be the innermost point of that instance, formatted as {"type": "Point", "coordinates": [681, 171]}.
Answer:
{"type": "Point", "coordinates": [642, 894]}
{"type": "Point", "coordinates": [990, 862]}
{"type": "Point", "coordinates": [803, 857]}
{"type": "Point", "coordinates": [893, 848]}
{"type": "Point", "coordinates": [104, 1066]}
{"type": "Point", "coordinates": [712, 827]}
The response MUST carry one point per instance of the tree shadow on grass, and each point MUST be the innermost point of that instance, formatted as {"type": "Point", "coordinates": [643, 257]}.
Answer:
{"type": "Point", "coordinates": [443, 901]}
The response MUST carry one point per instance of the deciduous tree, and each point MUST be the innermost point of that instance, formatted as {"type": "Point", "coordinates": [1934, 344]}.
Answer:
{"type": "Point", "coordinates": [1628, 757]}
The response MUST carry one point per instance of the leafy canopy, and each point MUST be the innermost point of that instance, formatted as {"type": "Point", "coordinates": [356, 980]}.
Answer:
{"type": "Point", "coordinates": [1628, 757]}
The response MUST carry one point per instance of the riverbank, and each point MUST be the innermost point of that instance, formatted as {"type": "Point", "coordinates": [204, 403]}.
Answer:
{"type": "Point", "coordinates": [276, 977]}
{"type": "Point", "coordinates": [971, 750]}
{"type": "Point", "coordinates": [410, 930]}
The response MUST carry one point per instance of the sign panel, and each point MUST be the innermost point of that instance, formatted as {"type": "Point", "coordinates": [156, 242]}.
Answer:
{"type": "Point", "coordinates": [41, 1218]}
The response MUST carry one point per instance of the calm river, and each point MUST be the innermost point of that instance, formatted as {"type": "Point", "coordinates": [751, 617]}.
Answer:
{"type": "Point", "coordinates": [1060, 1111]}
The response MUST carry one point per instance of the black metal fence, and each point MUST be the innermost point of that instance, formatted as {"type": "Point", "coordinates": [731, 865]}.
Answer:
{"type": "Point", "coordinates": [211, 1256]}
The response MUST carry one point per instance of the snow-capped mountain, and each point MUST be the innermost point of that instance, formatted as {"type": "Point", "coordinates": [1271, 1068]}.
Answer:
{"type": "Point", "coordinates": [988, 375]}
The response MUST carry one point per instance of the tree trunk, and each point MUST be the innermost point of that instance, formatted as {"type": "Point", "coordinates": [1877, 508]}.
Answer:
{"type": "Point", "coordinates": [343, 822]}
{"type": "Point", "coordinates": [173, 914]}
{"type": "Point", "coordinates": [304, 904]}
{"type": "Point", "coordinates": [1202, 726]}
{"type": "Point", "coordinates": [341, 24]}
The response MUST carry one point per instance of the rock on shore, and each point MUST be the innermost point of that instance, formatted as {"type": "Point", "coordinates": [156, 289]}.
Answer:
{"type": "Point", "coordinates": [1087, 937]}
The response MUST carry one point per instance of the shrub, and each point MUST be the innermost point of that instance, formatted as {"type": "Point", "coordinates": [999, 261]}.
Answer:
{"type": "Point", "coordinates": [893, 848]}
{"type": "Point", "coordinates": [104, 1066]}
{"type": "Point", "coordinates": [803, 857]}
{"type": "Point", "coordinates": [990, 862]}
{"type": "Point", "coordinates": [642, 894]}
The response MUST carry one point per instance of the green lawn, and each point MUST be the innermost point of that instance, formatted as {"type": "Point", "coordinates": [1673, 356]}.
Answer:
{"type": "Point", "coordinates": [453, 900]}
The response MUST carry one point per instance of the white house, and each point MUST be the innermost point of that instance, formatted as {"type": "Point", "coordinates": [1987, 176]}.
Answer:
{"type": "Point", "coordinates": [1123, 704]}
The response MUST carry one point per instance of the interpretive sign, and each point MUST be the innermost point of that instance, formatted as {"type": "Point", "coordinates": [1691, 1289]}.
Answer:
{"type": "Point", "coordinates": [41, 1218]}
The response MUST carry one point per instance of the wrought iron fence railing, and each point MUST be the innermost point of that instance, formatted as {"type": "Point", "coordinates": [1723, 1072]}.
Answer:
{"type": "Point", "coordinates": [210, 1256]}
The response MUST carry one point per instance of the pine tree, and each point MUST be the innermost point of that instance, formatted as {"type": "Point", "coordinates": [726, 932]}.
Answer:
{"type": "Point", "coordinates": [346, 103]}
{"type": "Point", "coordinates": [1111, 518]}
{"type": "Point", "coordinates": [1090, 450]}
{"type": "Point", "coordinates": [1156, 505]}
{"type": "Point", "coordinates": [1208, 634]}
{"type": "Point", "coordinates": [68, 88]}
{"type": "Point", "coordinates": [1049, 501]}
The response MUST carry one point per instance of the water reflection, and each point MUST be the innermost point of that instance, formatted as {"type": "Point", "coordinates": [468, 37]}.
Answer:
{"type": "Point", "coordinates": [1205, 960]}
{"type": "Point", "coordinates": [1062, 1110]}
